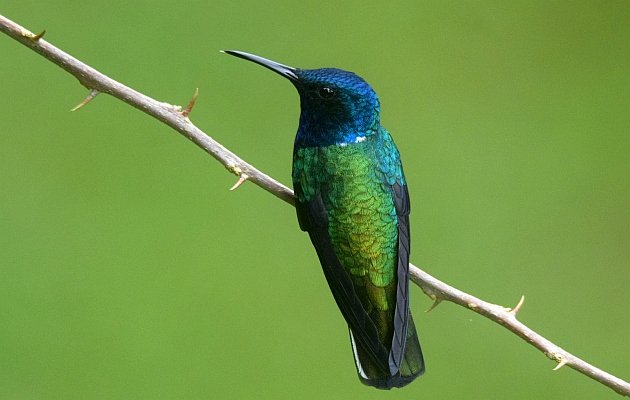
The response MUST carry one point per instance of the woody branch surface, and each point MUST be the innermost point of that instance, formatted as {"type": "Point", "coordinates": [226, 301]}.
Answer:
{"type": "Point", "coordinates": [177, 118]}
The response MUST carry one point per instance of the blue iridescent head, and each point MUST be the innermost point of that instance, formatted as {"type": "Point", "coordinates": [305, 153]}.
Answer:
{"type": "Point", "coordinates": [337, 107]}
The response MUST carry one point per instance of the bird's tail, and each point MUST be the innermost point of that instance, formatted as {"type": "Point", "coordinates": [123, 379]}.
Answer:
{"type": "Point", "coordinates": [411, 367]}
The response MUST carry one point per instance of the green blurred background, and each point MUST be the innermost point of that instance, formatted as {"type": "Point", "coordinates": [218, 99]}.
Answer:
{"type": "Point", "coordinates": [129, 271]}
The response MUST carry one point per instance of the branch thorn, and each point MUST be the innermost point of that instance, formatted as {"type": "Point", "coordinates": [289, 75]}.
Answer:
{"type": "Point", "coordinates": [40, 35]}
{"type": "Point", "coordinates": [191, 103]}
{"type": "Point", "coordinates": [517, 308]}
{"type": "Point", "coordinates": [93, 93]}
{"type": "Point", "coordinates": [436, 302]}
{"type": "Point", "coordinates": [240, 181]}
{"type": "Point", "coordinates": [561, 364]}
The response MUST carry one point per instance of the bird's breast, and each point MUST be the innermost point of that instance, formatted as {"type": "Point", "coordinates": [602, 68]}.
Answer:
{"type": "Point", "coordinates": [362, 221]}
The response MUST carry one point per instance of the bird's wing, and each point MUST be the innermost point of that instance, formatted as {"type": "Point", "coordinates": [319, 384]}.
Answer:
{"type": "Point", "coordinates": [401, 316]}
{"type": "Point", "coordinates": [313, 218]}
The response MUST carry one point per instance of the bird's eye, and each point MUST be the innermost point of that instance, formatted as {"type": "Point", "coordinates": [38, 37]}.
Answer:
{"type": "Point", "coordinates": [326, 92]}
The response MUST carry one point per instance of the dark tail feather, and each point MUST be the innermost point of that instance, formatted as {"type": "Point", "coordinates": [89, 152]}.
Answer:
{"type": "Point", "coordinates": [413, 362]}
{"type": "Point", "coordinates": [411, 367]}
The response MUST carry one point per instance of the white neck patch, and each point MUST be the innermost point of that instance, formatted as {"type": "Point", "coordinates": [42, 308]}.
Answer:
{"type": "Point", "coordinates": [358, 139]}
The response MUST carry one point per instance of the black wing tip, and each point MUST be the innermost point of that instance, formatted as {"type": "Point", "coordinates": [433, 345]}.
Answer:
{"type": "Point", "coordinates": [391, 382]}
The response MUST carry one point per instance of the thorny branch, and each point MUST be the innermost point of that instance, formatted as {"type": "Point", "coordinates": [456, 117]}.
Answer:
{"type": "Point", "coordinates": [178, 119]}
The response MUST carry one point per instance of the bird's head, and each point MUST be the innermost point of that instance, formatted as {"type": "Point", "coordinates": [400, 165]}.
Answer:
{"type": "Point", "coordinates": [337, 106]}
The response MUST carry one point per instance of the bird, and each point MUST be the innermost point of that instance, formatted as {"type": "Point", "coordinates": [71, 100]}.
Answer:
{"type": "Point", "coordinates": [352, 199]}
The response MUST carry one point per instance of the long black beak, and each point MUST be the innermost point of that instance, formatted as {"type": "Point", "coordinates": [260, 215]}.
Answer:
{"type": "Point", "coordinates": [284, 70]}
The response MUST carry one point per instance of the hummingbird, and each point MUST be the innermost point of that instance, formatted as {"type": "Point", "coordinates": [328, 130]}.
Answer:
{"type": "Point", "coordinates": [352, 199]}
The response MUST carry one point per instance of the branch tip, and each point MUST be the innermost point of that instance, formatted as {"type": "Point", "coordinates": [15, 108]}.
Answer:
{"type": "Point", "coordinates": [240, 181]}
{"type": "Point", "coordinates": [191, 103]}
{"type": "Point", "coordinates": [92, 94]}
{"type": "Point", "coordinates": [518, 306]}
